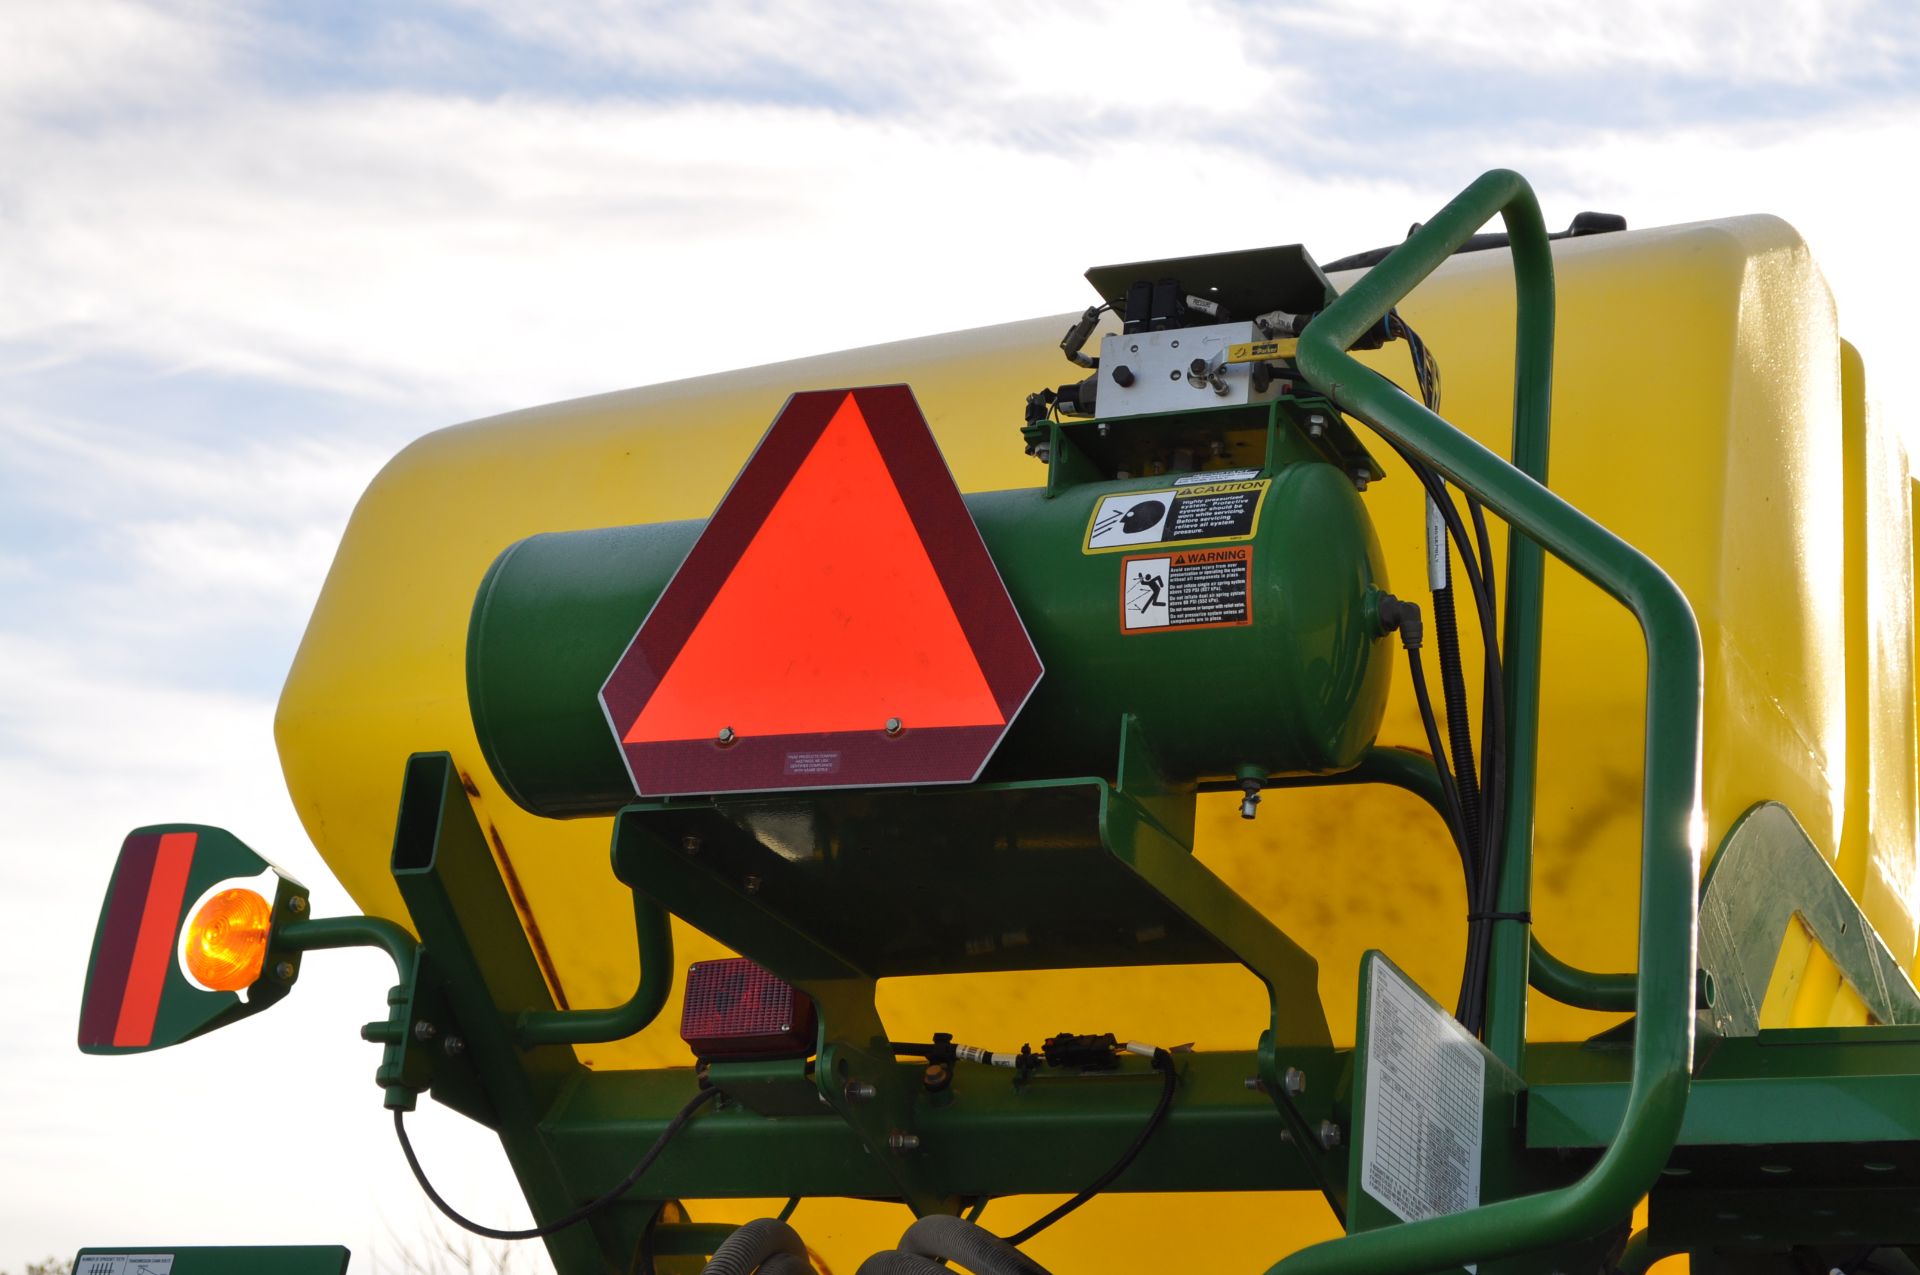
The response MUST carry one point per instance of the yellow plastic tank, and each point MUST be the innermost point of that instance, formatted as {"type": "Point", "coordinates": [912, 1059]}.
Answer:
{"type": "Point", "coordinates": [1705, 408]}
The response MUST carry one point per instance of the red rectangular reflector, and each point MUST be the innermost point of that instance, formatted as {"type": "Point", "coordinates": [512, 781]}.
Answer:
{"type": "Point", "coordinates": [736, 1010]}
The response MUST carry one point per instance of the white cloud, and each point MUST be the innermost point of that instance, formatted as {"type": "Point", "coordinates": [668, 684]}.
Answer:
{"type": "Point", "coordinates": [1756, 42]}
{"type": "Point", "coordinates": [59, 58]}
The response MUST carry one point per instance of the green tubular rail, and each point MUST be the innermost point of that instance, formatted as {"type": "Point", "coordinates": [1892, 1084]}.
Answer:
{"type": "Point", "coordinates": [1414, 772]}
{"type": "Point", "coordinates": [324, 933]}
{"type": "Point", "coordinates": [1672, 825]}
{"type": "Point", "coordinates": [593, 1026]}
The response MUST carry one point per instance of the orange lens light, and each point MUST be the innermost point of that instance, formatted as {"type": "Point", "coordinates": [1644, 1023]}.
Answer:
{"type": "Point", "coordinates": [227, 940]}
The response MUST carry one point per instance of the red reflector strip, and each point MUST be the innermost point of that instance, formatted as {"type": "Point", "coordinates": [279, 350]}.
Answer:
{"type": "Point", "coordinates": [153, 949]}
{"type": "Point", "coordinates": [113, 953]}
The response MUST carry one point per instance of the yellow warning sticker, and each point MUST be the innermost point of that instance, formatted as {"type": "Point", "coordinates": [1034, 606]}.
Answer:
{"type": "Point", "coordinates": [1254, 351]}
{"type": "Point", "coordinates": [1228, 510]}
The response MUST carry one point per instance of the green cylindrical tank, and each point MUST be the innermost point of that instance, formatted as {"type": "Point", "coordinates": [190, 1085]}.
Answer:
{"type": "Point", "coordinates": [1298, 687]}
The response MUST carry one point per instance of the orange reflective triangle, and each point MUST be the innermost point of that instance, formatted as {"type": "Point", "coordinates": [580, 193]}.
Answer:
{"type": "Point", "coordinates": [833, 619]}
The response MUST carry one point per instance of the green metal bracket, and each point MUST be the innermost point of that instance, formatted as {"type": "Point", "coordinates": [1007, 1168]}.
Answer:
{"type": "Point", "coordinates": [833, 891]}
{"type": "Point", "coordinates": [477, 965]}
{"type": "Point", "coordinates": [1671, 820]}
{"type": "Point", "coordinates": [1768, 871]}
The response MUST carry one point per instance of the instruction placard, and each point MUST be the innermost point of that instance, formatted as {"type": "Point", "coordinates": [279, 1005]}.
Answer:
{"type": "Point", "coordinates": [1425, 1084]}
{"type": "Point", "coordinates": [1187, 589]}
{"type": "Point", "coordinates": [1204, 511]}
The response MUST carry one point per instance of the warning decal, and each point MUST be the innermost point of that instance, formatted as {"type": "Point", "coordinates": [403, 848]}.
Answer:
{"type": "Point", "coordinates": [1146, 519]}
{"type": "Point", "coordinates": [1191, 589]}
{"type": "Point", "coordinates": [1425, 1081]}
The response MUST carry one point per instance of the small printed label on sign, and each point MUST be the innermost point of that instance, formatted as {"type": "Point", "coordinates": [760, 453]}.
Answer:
{"type": "Point", "coordinates": [125, 1264]}
{"type": "Point", "coordinates": [1188, 589]}
{"type": "Point", "coordinates": [1219, 509]}
{"type": "Point", "coordinates": [1425, 1083]}
{"type": "Point", "coordinates": [827, 763]}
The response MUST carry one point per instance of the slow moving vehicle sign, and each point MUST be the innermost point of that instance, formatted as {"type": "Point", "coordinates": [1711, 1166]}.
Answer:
{"type": "Point", "coordinates": [839, 623]}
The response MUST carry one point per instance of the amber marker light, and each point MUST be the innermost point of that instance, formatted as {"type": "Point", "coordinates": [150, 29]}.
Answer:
{"type": "Point", "coordinates": [227, 940]}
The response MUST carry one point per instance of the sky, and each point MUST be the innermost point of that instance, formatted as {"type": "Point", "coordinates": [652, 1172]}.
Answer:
{"type": "Point", "coordinates": [248, 251]}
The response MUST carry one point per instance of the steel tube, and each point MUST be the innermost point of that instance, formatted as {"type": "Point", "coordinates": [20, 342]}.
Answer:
{"type": "Point", "coordinates": [1672, 822]}
{"type": "Point", "coordinates": [593, 1026]}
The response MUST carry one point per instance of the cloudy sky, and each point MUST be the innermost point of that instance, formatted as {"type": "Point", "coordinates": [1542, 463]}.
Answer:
{"type": "Point", "coordinates": [247, 251]}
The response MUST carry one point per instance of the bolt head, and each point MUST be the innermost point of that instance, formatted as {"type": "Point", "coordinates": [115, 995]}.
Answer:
{"type": "Point", "coordinates": [453, 1046]}
{"type": "Point", "coordinates": [424, 1030]}
{"type": "Point", "coordinates": [895, 726]}
{"type": "Point", "coordinates": [903, 1141]}
{"type": "Point", "coordinates": [284, 971]}
{"type": "Point", "coordinates": [725, 737]}
{"type": "Point", "coordinates": [752, 883]}
{"type": "Point", "coordinates": [691, 844]}
{"type": "Point", "coordinates": [297, 905]}
{"type": "Point", "coordinates": [859, 1091]}
{"type": "Point", "coordinates": [1294, 1081]}
{"type": "Point", "coordinates": [1329, 1134]}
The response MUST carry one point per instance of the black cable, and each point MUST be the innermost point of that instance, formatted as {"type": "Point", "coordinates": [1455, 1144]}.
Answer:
{"type": "Point", "coordinates": [786, 1210]}
{"type": "Point", "coordinates": [1483, 804]}
{"type": "Point", "coordinates": [1163, 1062]}
{"type": "Point", "coordinates": [580, 1214]}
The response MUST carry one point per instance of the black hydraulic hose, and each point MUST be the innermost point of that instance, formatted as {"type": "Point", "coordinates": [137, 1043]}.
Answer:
{"type": "Point", "coordinates": [952, 1239]}
{"type": "Point", "coordinates": [1163, 1061]}
{"type": "Point", "coordinates": [1453, 691]}
{"type": "Point", "coordinates": [892, 1261]}
{"type": "Point", "coordinates": [765, 1240]}
{"type": "Point", "coordinates": [580, 1214]}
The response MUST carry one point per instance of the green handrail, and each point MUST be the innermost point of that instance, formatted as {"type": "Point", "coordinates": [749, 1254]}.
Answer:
{"type": "Point", "coordinates": [1414, 772]}
{"type": "Point", "coordinates": [594, 1026]}
{"type": "Point", "coordinates": [1672, 826]}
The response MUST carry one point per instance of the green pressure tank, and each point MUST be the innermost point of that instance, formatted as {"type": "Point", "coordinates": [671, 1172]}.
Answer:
{"type": "Point", "coordinates": [1230, 612]}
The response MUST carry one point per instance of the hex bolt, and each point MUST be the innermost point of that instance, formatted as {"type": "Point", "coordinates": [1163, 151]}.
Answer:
{"type": "Point", "coordinates": [725, 737]}
{"type": "Point", "coordinates": [895, 726]}
{"type": "Point", "coordinates": [752, 883]}
{"type": "Point", "coordinates": [1359, 480]}
{"type": "Point", "coordinates": [297, 905]}
{"type": "Point", "coordinates": [1294, 1082]}
{"type": "Point", "coordinates": [424, 1030]}
{"type": "Point", "coordinates": [859, 1091]}
{"type": "Point", "coordinates": [903, 1142]}
{"type": "Point", "coordinates": [453, 1046]}
{"type": "Point", "coordinates": [284, 971]}
{"type": "Point", "coordinates": [1329, 1134]}
{"type": "Point", "coordinates": [690, 843]}
{"type": "Point", "coordinates": [1256, 1084]}
{"type": "Point", "coordinates": [1103, 429]}
{"type": "Point", "coordinates": [1122, 375]}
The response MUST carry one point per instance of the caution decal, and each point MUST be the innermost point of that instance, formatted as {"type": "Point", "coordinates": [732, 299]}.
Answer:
{"type": "Point", "coordinates": [1174, 515]}
{"type": "Point", "coordinates": [1187, 589]}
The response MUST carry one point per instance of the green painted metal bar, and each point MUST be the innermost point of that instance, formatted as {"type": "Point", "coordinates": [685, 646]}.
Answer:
{"type": "Point", "coordinates": [1510, 967]}
{"type": "Point", "coordinates": [592, 1026]}
{"type": "Point", "coordinates": [1547, 973]}
{"type": "Point", "coordinates": [351, 931]}
{"type": "Point", "coordinates": [1671, 832]}
{"type": "Point", "coordinates": [987, 1135]}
